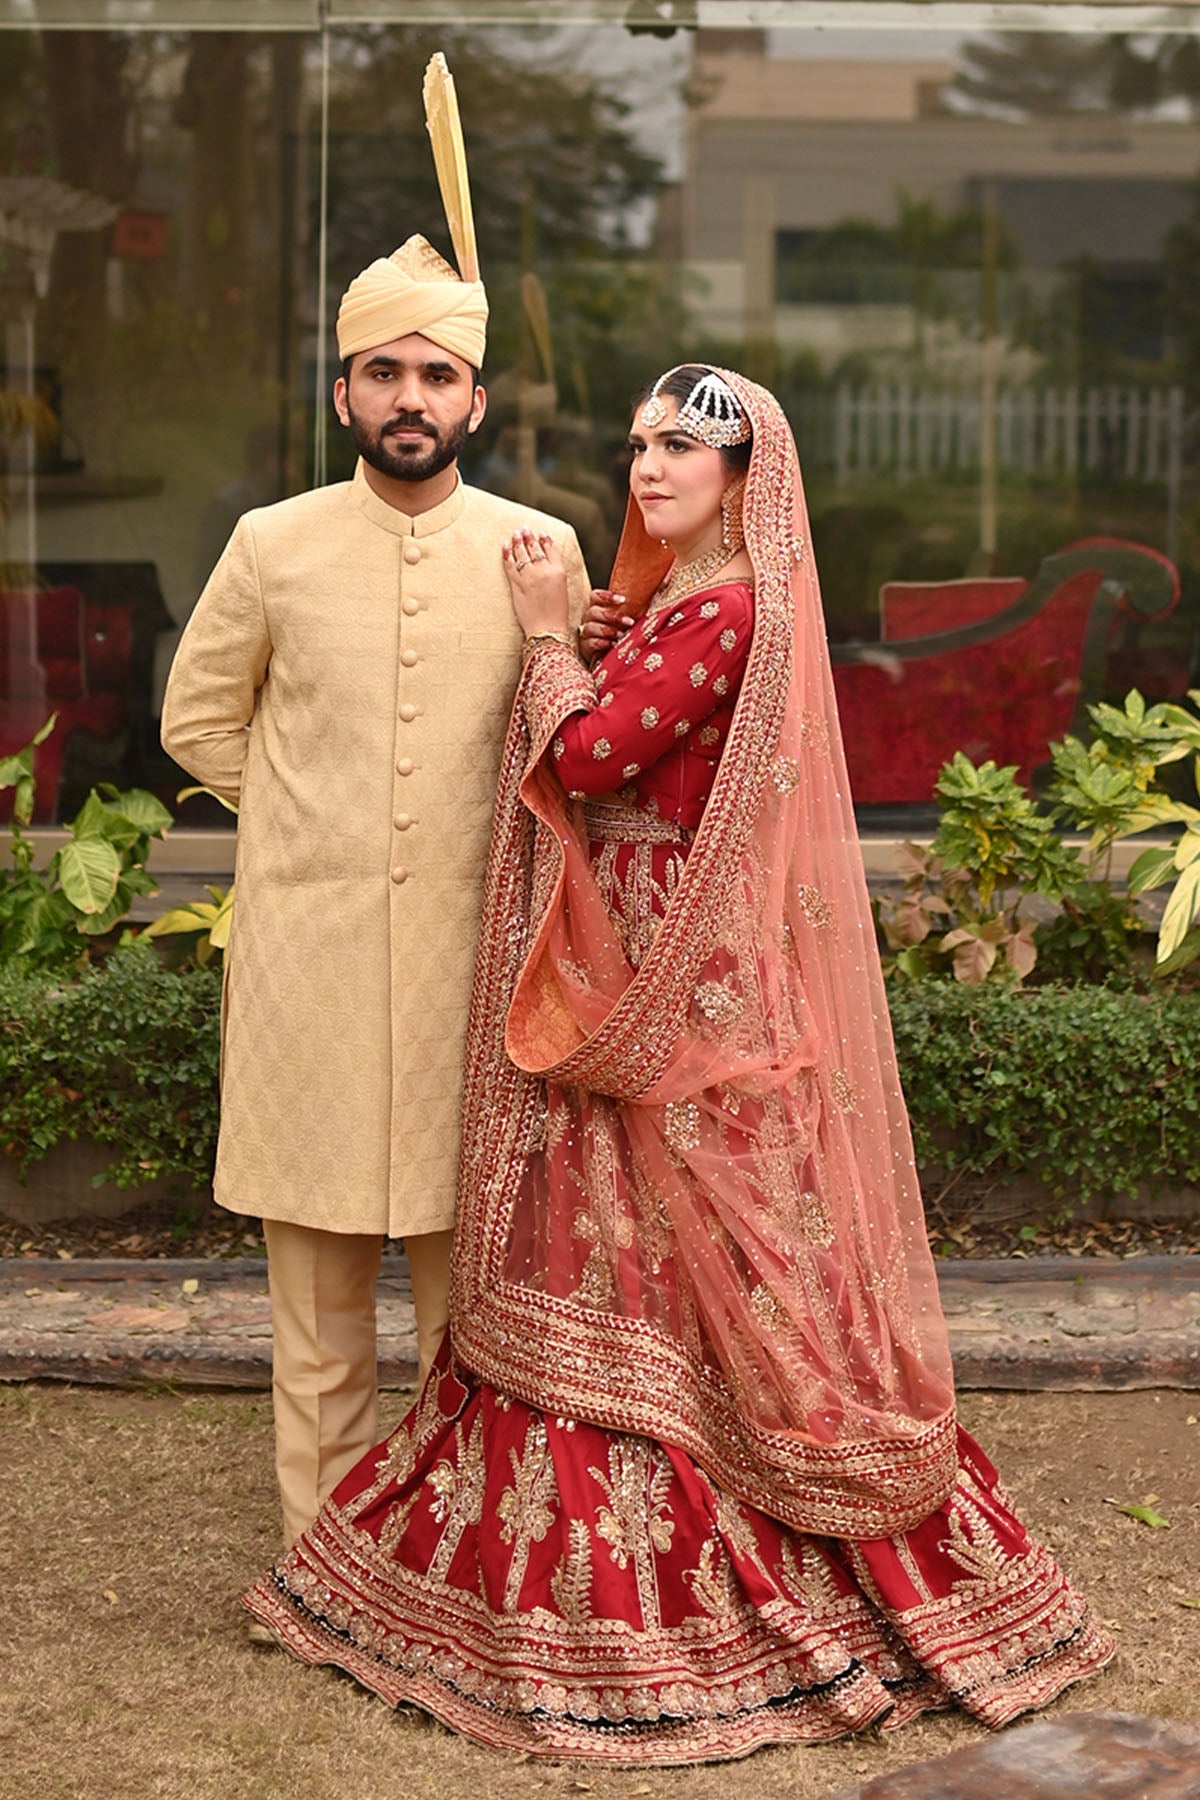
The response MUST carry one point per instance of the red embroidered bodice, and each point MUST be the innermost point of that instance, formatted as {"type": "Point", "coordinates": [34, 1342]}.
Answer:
{"type": "Point", "coordinates": [666, 694]}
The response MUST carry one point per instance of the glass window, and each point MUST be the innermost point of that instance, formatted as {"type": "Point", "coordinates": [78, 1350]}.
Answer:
{"type": "Point", "coordinates": [966, 259]}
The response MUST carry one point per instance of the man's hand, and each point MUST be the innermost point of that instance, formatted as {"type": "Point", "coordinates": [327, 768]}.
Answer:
{"type": "Point", "coordinates": [603, 623]}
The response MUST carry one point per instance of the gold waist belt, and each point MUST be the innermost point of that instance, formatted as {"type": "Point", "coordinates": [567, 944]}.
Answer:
{"type": "Point", "coordinates": [608, 822]}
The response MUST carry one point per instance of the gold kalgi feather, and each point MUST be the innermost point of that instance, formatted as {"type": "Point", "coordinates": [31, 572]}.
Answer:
{"type": "Point", "coordinates": [450, 161]}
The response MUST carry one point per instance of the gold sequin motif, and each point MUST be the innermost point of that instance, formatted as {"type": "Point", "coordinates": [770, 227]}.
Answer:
{"type": "Point", "coordinates": [718, 1004]}
{"type": "Point", "coordinates": [843, 1093]}
{"type": "Point", "coordinates": [682, 1129]}
{"type": "Point", "coordinates": [815, 907]}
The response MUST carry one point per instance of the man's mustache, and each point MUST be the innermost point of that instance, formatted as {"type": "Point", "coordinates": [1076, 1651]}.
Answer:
{"type": "Point", "coordinates": [416, 423]}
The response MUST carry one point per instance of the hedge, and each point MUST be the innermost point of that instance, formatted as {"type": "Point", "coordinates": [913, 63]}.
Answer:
{"type": "Point", "coordinates": [1093, 1090]}
{"type": "Point", "coordinates": [127, 1055]}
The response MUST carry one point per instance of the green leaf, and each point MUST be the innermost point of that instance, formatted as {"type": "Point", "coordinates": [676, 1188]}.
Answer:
{"type": "Point", "coordinates": [1151, 869]}
{"type": "Point", "coordinates": [88, 870]}
{"type": "Point", "coordinates": [1181, 956]}
{"type": "Point", "coordinates": [218, 937]}
{"type": "Point", "coordinates": [189, 793]}
{"type": "Point", "coordinates": [143, 810]}
{"type": "Point", "coordinates": [23, 799]}
{"type": "Point", "coordinates": [1179, 912]}
{"type": "Point", "coordinates": [1145, 1515]}
{"type": "Point", "coordinates": [198, 916]}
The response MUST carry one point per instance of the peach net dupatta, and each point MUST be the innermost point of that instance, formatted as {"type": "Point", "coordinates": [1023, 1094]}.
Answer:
{"type": "Point", "coordinates": [721, 1130]}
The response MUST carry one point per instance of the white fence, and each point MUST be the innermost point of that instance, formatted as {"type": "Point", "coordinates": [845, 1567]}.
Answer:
{"type": "Point", "coordinates": [897, 429]}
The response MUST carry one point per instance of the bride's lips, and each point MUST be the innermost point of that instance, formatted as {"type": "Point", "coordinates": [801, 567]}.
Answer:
{"type": "Point", "coordinates": [653, 499]}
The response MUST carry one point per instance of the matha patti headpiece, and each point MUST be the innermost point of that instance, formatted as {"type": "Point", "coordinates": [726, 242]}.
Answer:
{"type": "Point", "coordinates": [710, 413]}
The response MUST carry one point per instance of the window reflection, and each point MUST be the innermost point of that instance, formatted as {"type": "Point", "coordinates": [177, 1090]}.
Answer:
{"type": "Point", "coordinates": [968, 265]}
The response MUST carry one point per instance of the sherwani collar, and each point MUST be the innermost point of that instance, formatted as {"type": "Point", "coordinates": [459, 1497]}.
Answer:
{"type": "Point", "coordinates": [402, 524]}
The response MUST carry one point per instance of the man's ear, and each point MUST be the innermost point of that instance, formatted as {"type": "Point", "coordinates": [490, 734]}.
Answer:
{"type": "Point", "coordinates": [341, 400]}
{"type": "Point", "coordinates": [478, 409]}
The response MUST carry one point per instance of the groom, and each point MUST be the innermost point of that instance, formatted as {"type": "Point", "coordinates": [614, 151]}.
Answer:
{"type": "Point", "coordinates": [346, 680]}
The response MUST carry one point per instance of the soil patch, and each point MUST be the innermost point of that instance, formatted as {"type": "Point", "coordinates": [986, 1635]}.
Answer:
{"type": "Point", "coordinates": [169, 1229]}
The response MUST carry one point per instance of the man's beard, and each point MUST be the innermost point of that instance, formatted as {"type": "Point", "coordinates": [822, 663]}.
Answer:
{"type": "Point", "coordinates": [409, 462]}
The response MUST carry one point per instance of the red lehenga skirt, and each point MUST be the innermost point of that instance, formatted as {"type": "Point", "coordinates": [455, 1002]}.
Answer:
{"type": "Point", "coordinates": [548, 1586]}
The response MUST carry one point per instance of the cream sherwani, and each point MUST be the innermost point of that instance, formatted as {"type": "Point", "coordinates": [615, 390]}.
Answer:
{"type": "Point", "coordinates": [346, 679]}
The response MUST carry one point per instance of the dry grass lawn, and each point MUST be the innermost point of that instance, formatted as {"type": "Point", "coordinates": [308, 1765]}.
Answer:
{"type": "Point", "coordinates": [131, 1522]}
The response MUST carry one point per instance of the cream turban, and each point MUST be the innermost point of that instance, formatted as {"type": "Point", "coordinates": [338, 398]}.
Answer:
{"type": "Point", "coordinates": [414, 289]}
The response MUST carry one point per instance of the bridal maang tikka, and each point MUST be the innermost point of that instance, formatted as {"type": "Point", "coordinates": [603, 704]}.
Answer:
{"type": "Point", "coordinates": [710, 413]}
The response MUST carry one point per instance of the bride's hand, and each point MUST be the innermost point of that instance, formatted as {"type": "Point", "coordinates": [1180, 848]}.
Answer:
{"type": "Point", "coordinates": [603, 623]}
{"type": "Point", "coordinates": [537, 582]}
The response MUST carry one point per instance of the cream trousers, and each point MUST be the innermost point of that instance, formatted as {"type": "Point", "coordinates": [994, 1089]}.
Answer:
{"type": "Point", "coordinates": [325, 1381]}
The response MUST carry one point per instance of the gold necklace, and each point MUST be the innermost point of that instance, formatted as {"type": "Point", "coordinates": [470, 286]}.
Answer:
{"type": "Point", "coordinates": [691, 577]}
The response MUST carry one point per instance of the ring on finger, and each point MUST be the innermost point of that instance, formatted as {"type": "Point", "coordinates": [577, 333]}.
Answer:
{"type": "Point", "coordinates": [519, 565]}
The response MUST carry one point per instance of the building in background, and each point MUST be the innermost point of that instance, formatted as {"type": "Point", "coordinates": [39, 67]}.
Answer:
{"type": "Point", "coordinates": [968, 259]}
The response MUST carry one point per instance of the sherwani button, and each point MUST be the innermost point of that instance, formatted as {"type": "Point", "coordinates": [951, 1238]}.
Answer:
{"type": "Point", "coordinates": [403, 821]}
{"type": "Point", "coordinates": [399, 875]}
{"type": "Point", "coordinates": [412, 553]}
{"type": "Point", "coordinates": [409, 658]}
{"type": "Point", "coordinates": [408, 712]}
{"type": "Point", "coordinates": [405, 766]}
{"type": "Point", "coordinates": [410, 606]}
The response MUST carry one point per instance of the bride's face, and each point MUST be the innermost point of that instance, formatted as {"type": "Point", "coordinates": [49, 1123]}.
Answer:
{"type": "Point", "coordinates": [677, 482]}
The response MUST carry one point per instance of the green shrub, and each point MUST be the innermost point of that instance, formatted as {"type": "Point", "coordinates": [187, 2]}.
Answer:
{"type": "Point", "coordinates": [127, 1054]}
{"type": "Point", "coordinates": [1094, 1091]}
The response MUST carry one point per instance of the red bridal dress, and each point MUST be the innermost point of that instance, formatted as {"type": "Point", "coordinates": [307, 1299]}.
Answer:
{"type": "Point", "coordinates": [685, 1479]}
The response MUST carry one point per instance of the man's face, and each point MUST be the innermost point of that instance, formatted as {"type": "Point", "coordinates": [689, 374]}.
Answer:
{"type": "Point", "coordinates": [410, 407]}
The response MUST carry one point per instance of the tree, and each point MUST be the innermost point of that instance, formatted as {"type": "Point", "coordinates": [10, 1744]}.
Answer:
{"type": "Point", "coordinates": [1031, 74]}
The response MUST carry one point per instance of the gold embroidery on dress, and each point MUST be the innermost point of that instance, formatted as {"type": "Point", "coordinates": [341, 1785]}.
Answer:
{"type": "Point", "coordinates": [636, 903]}
{"type": "Point", "coordinates": [843, 1092]}
{"type": "Point", "coordinates": [458, 1495]}
{"type": "Point", "coordinates": [408, 1440]}
{"type": "Point", "coordinates": [785, 775]}
{"type": "Point", "coordinates": [526, 1510]}
{"type": "Point", "coordinates": [980, 1553]}
{"type": "Point", "coordinates": [766, 1308]}
{"type": "Point", "coordinates": [718, 1005]}
{"type": "Point", "coordinates": [713, 1581]}
{"type": "Point", "coordinates": [814, 906]}
{"type": "Point", "coordinates": [571, 1583]}
{"type": "Point", "coordinates": [636, 1522]}
{"type": "Point", "coordinates": [813, 1219]}
{"type": "Point", "coordinates": [814, 732]}
{"type": "Point", "coordinates": [681, 1127]}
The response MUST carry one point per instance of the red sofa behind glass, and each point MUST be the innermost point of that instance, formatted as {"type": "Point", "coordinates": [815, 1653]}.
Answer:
{"type": "Point", "coordinates": [996, 668]}
{"type": "Point", "coordinates": [81, 645]}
